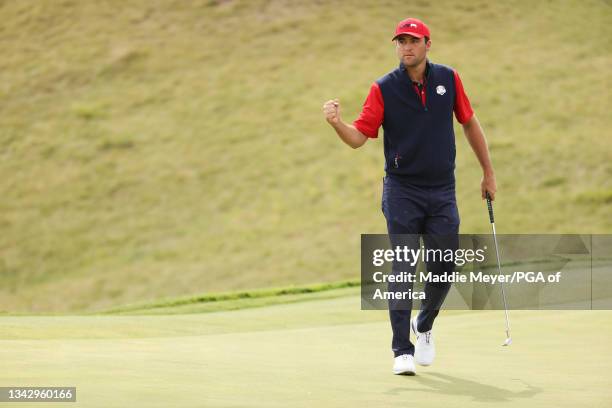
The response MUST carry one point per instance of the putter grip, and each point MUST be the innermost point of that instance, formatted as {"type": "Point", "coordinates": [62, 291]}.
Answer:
{"type": "Point", "coordinates": [490, 207]}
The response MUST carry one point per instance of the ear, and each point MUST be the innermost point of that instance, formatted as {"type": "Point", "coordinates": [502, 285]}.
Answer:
{"type": "Point", "coordinates": [428, 45]}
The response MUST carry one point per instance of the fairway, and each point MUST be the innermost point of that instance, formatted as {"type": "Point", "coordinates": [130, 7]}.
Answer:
{"type": "Point", "coordinates": [322, 352]}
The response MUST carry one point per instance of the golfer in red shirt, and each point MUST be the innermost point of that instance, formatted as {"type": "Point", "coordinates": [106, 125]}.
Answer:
{"type": "Point", "coordinates": [415, 105]}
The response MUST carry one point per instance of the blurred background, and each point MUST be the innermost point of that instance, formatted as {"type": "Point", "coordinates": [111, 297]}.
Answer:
{"type": "Point", "coordinates": [152, 149]}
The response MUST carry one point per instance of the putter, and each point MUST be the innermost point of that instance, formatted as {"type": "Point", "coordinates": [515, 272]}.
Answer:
{"type": "Point", "coordinates": [492, 219]}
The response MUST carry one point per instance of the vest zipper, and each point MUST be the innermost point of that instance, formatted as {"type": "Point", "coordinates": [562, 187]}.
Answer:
{"type": "Point", "coordinates": [421, 93]}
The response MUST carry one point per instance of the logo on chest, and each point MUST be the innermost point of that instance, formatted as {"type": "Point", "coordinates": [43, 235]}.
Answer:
{"type": "Point", "coordinates": [440, 90]}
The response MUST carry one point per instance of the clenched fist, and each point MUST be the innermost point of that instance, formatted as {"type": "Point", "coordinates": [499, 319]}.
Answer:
{"type": "Point", "coordinates": [331, 110]}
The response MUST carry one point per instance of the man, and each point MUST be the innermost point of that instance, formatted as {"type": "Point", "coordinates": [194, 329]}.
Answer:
{"type": "Point", "coordinates": [414, 104]}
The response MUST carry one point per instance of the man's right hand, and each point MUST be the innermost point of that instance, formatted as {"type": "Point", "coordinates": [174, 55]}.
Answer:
{"type": "Point", "coordinates": [331, 110]}
{"type": "Point", "coordinates": [348, 133]}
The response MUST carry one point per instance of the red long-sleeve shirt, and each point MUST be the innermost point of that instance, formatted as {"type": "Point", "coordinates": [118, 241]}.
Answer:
{"type": "Point", "coordinates": [371, 117]}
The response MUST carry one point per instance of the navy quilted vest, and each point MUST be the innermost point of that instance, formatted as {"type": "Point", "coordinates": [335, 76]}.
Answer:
{"type": "Point", "coordinates": [419, 141]}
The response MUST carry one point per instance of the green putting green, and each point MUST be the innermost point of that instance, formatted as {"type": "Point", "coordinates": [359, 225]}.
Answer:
{"type": "Point", "coordinates": [324, 352]}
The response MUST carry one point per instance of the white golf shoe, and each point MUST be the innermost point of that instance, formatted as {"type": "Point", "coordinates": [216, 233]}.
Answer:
{"type": "Point", "coordinates": [403, 365]}
{"type": "Point", "coordinates": [424, 349]}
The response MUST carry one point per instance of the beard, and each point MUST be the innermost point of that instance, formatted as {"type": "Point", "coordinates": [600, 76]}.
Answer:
{"type": "Point", "coordinates": [412, 62]}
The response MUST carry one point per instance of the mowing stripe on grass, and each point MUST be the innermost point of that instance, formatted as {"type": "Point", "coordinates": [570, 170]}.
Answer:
{"type": "Point", "coordinates": [251, 294]}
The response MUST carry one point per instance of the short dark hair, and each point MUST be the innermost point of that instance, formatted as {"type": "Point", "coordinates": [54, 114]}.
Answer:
{"type": "Point", "coordinates": [426, 39]}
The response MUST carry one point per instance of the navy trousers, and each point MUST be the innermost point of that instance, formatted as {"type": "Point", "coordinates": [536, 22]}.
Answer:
{"type": "Point", "coordinates": [411, 209]}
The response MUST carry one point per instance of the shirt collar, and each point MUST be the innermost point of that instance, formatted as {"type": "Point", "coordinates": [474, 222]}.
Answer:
{"type": "Point", "coordinates": [427, 70]}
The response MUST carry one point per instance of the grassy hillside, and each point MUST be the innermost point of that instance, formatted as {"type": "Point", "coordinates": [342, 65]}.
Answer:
{"type": "Point", "coordinates": [161, 148]}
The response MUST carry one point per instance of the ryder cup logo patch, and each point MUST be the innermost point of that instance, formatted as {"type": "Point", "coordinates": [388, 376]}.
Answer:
{"type": "Point", "coordinates": [440, 90]}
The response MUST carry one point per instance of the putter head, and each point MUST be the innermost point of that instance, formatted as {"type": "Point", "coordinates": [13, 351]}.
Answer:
{"type": "Point", "coordinates": [508, 341]}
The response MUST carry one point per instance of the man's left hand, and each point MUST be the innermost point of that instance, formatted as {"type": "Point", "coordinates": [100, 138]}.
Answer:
{"type": "Point", "coordinates": [488, 184]}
